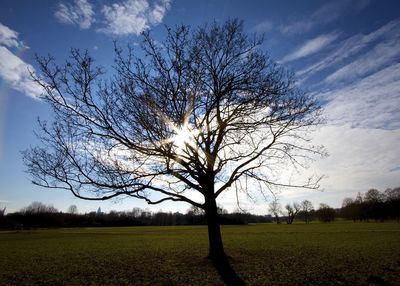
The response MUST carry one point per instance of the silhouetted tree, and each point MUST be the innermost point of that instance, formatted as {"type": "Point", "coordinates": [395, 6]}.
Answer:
{"type": "Point", "coordinates": [373, 196]}
{"type": "Point", "coordinates": [72, 209]}
{"type": "Point", "coordinates": [2, 211]}
{"type": "Point", "coordinates": [4, 223]}
{"type": "Point", "coordinates": [221, 210]}
{"type": "Point", "coordinates": [306, 207]}
{"type": "Point", "coordinates": [38, 214]}
{"type": "Point", "coordinates": [291, 212]}
{"type": "Point", "coordinates": [392, 194]}
{"type": "Point", "coordinates": [350, 209]}
{"type": "Point", "coordinates": [325, 213]}
{"type": "Point", "coordinates": [193, 210]}
{"type": "Point", "coordinates": [275, 208]}
{"type": "Point", "coordinates": [136, 212]}
{"type": "Point", "coordinates": [347, 202]}
{"type": "Point", "coordinates": [392, 201]}
{"type": "Point", "coordinates": [373, 205]}
{"type": "Point", "coordinates": [204, 106]}
{"type": "Point", "coordinates": [359, 198]}
{"type": "Point", "coordinates": [39, 208]}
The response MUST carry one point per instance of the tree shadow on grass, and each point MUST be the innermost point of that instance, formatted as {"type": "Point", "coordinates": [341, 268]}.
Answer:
{"type": "Point", "coordinates": [226, 272]}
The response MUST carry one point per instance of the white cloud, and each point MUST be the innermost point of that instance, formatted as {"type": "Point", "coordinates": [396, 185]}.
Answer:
{"type": "Point", "coordinates": [8, 37]}
{"type": "Point", "coordinates": [365, 92]}
{"type": "Point", "coordinates": [326, 14]}
{"type": "Point", "coordinates": [362, 158]}
{"type": "Point", "coordinates": [133, 16]}
{"type": "Point", "coordinates": [264, 26]}
{"type": "Point", "coordinates": [299, 27]}
{"type": "Point", "coordinates": [363, 114]}
{"type": "Point", "coordinates": [80, 13]}
{"type": "Point", "coordinates": [311, 47]}
{"type": "Point", "coordinates": [353, 46]}
{"type": "Point", "coordinates": [120, 18]}
{"type": "Point", "coordinates": [359, 159]}
{"type": "Point", "coordinates": [13, 70]}
{"type": "Point", "coordinates": [379, 56]}
{"type": "Point", "coordinates": [372, 102]}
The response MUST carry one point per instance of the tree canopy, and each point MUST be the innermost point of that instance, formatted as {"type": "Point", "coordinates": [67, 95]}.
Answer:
{"type": "Point", "coordinates": [203, 111]}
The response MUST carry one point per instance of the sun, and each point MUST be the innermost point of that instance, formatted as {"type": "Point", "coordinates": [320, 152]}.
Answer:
{"type": "Point", "coordinates": [184, 136]}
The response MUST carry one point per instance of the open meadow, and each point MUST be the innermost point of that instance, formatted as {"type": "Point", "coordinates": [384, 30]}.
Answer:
{"type": "Point", "coordinates": [340, 253]}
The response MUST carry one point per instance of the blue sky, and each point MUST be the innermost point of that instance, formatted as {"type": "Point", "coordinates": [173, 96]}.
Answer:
{"type": "Point", "coordinates": [345, 52]}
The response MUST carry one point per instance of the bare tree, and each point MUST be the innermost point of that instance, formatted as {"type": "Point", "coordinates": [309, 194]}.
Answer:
{"type": "Point", "coordinates": [347, 202]}
{"type": "Point", "coordinates": [307, 207]}
{"type": "Point", "coordinates": [136, 212]}
{"type": "Point", "coordinates": [292, 211]}
{"type": "Point", "coordinates": [350, 209]}
{"type": "Point", "coordinates": [39, 208]}
{"type": "Point", "coordinates": [373, 195]}
{"type": "Point", "coordinates": [193, 210]}
{"type": "Point", "coordinates": [325, 213]}
{"type": "Point", "coordinates": [200, 113]}
{"type": "Point", "coordinates": [275, 208]}
{"type": "Point", "coordinates": [72, 209]}
{"type": "Point", "coordinates": [2, 211]}
{"type": "Point", "coordinates": [359, 198]}
{"type": "Point", "coordinates": [392, 194]}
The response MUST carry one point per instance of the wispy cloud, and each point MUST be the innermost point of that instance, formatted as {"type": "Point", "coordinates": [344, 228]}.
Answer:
{"type": "Point", "coordinates": [324, 15]}
{"type": "Point", "coordinates": [80, 13]}
{"type": "Point", "coordinates": [379, 56]}
{"type": "Point", "coordinates": [133, 16]}
{"type": "Point", "coordinates": [354, 45]}
{"type": "Point", "coordinates": [362, 112]}
{"type": "Point", "coordinates": [13, 70]}
{"type": "Point", "coordinates": [8, 37]}
{"type": "Point", "coordinates": [363, 158]}
{"type": "Point", "coordinates": [372, 102]}
{"type": "Point", "coordinates": [264, 26]}
{"type": "Point", "coordinates": [311, 47]}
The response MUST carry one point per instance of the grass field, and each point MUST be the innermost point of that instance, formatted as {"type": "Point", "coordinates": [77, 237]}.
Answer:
{"type": "Point", "coordinates": [341, 253]}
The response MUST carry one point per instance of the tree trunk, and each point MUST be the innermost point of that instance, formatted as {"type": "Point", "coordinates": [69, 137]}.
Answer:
{"type": "Point", "coordinates": [216, 248]}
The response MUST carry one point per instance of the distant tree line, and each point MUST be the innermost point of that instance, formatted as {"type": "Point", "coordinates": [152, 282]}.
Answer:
{"type": "Point", "coordinates": [39, 215]}
{"type": "Point", "coordinates": [372, 205]}
{"type": "Point", "coordinates": [303, 211]}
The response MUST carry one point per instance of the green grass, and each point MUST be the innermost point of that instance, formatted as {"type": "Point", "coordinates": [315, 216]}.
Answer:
{"type": "Point", "coordinates": [342, 253]}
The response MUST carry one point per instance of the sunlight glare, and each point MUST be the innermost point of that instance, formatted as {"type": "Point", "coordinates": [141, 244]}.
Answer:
{"type": "Point", "coordinates": [184, 135]}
